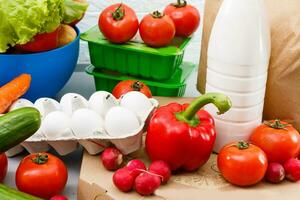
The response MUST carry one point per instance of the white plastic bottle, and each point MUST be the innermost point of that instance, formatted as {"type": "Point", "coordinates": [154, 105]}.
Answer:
{"type": "Point", "coordinates": [237, 65]}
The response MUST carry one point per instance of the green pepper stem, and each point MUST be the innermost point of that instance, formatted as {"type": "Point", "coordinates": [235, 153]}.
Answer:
{"type": "Point", "coordinates": [221, 101]}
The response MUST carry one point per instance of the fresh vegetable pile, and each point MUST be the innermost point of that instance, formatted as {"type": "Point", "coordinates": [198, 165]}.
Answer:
{"type": "Point", "coordinates": [272, 153]}
{"type": "Point", "coordinates": [34, 26]}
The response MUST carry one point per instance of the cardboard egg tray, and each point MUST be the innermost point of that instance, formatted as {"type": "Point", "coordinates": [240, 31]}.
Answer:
{"type": "Point", "coordinates": [96, 142]}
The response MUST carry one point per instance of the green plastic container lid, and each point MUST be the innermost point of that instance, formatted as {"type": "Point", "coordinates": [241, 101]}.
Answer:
{"type": "Point", "coordinates": [176, 81]}
{"type": "Point", "coordinates": [176, 47]}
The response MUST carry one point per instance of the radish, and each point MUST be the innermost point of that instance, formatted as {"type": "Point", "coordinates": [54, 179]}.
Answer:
{"type": "Point", "coordinates": [123, 179]}
{"type": "Point", "coordinates": [275, 173]}
{"type": "Point", "coordinates": [59, 197]}
{"type": "Point", "coordinates": [161, 168]}
{"type": "Point", "coordinates": [146, 183]}
{"type": "Point", "coordinates": [112, 159]}
{"type": "Point", "coordinates": [136, 167]}
{"type": "Point", "coordinates": [292, 169]}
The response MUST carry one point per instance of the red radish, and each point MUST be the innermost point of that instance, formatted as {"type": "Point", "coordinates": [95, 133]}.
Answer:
{"type": "Point", "coordinates": [161, 168]}
{"type": "Point", "coordinates": [275, 173]}
{"type": "Point", "coordinates": [123, 179]}
{"type": "Point", "coordinates": [112, 159]}
{"type": "Point", "coordinates": [146, 183]}
{"type": "Point", "coordinates": [136, 167]}
{"type": "Point", "coordinates": [59, 197]}
{"type": "Point", "coordinates": [292, 169]}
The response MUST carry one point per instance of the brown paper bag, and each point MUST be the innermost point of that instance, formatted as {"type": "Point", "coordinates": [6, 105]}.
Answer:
{"type": "Point", "coordinates": [283, 87]}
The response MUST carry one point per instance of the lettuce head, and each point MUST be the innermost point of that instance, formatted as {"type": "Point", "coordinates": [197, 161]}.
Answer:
{"type": "Point", "coordinates": [21, 20]}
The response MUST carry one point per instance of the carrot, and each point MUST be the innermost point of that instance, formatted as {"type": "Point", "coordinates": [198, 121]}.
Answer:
{"type": "Point", "coordinates": [13, 90]}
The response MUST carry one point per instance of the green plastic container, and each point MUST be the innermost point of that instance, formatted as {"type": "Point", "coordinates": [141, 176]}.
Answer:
{"type": "Point", "coordinates": [135, 59]}
{"type": "Point", "coordinates": [175, 86]}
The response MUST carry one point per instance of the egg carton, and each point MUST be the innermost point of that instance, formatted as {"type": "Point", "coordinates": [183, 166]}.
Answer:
{"type": "Point", "coordinates": [94, 124]}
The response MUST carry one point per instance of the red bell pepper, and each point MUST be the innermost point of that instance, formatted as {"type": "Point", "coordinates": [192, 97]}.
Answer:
{"type": "Point", "coordinates": [183, 135]}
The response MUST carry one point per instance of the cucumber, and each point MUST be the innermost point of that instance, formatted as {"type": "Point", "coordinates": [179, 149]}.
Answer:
{"type": "Point", "coordinates": [18, 125]}
{"type": "Point", "coordinates": [7, 193]}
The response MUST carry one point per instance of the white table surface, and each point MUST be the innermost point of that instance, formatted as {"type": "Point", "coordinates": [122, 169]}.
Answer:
{"type": "Point", "coordinates": [82, 84]}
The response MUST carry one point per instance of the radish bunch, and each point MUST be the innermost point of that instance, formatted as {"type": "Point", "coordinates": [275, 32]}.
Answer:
{"type": "Point", "coordinates": [290, 170]}
{"type": "Point", "coordinates": [135, 174]}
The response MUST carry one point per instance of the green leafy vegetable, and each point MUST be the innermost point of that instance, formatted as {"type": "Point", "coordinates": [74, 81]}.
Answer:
{"type": "Point", "coordinates": [74, 10]}
{"type": "Point", "coordinates": [21, 20]}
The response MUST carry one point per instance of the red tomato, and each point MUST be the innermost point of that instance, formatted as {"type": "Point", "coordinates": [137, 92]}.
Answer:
{"type": "Point", "coordinates": [242, 164]}
{"type": "Point", "coordinates": [157, 29]}
{"type": "Point", "coordinates": [279, 140]}
{"type": "Point", "coordinates": [3, 166]}
{"type": "Point", "coordinates": [41, 42]}
{"type": "Point", "coordinates": [126, 86]}
{"type": "Point", "coordinates": [118, 23]}
{"type": "Point", "coordinates": [42, 175]}
{"type": "Point", "coordinates": [185, 17]}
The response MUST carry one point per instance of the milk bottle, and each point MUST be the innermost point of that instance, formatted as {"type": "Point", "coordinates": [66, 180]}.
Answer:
{"type": "Point", "coordinates": [237, 65]}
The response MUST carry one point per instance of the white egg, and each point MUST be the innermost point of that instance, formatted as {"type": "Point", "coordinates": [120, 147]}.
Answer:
{"type": "Point", "coordinates": [101, 102]}
{"type": "Point", "coordinates": [71, 102]}
{"type": "Point", "coordinates": [137, 102]}
{"type": "Point", "coordinates": [46, 106]}
{"type": "Point", "coordinates": [120, 121]}
{"type": "Point", "coordinates": [20, 103]}
{"type": "Point", "coordinates": [85, 122]}
{"type": "Point", "coordinates": [56, 124]}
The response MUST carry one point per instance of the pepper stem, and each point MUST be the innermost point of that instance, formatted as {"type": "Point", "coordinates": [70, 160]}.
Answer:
{"type": "Point", "coordinates": [137, 86]}
{"type": "Point", "coordinates": [221, 101]}
{"type": "Point", "coordinates": [276, 124]}
{"type": "Point", "coordinates": [157, 14]}
{"type": "Point", "coordinates": [119, 13]}
{"type": "Point", "coordinates": [40, 158]}
{"type": "Point", "coordinates": [180, 3]}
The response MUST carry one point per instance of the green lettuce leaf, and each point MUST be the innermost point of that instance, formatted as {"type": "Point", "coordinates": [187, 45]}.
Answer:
{"type": "Point", "coordinates": [21, 20]}
{"type": "Point", "coordinates": [74, 10]}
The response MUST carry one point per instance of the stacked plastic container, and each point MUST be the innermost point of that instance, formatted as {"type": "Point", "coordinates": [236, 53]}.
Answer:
{"type": "Point", "coordinates": [237, 65]}
{"type": "Point", "coordinates": [162, 69]}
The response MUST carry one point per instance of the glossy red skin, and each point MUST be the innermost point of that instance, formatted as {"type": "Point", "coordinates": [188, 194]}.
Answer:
{"type": "Point", "coordinates": [161, 168]}
{"type": "Point", "coordinates": [176, 142]}
{"type": "Point", "coordinates": [41, 42]}
{"type": "Point", "coordinates": [3, 166]}
{"type": "Point", "coordinates": [42, 180]}
{"type": "Point", "coordinates": [278, 144]}
{"type": "Point", "coordinates": [275, 173]}
{"type": "Point", "coordinates": [146, 184]}
{"type": "Point", "coordinates": [135, 166]}
{"type": "Point", "coordinates": [123, 179]}
{"type": "Point", "coordinates": [118, 31]}
{"type": "Point", "coordinates": [186, 19]}
{"type": "Point", "coordinates": [126, 86]}
{"type": "Point", "coordinates": [157, 32]}
{"type": "Point", "coordinates": [112, 159]}
{"type": "Point", "coordinates": [242, 167]}
{"type": "Point", "coordinates": [59, 197]}
{"type": "Point", "coordinates": [292, 169]}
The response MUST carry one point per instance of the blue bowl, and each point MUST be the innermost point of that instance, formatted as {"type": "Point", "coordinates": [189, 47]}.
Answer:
{"type": "Point", "coordinates": [49, 70]}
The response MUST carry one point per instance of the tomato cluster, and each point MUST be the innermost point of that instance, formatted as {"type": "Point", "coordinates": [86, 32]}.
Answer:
{"type": "Point", "coordinates": [274, 141]}
{"type": "Point", "coordinates": [119, 23]}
